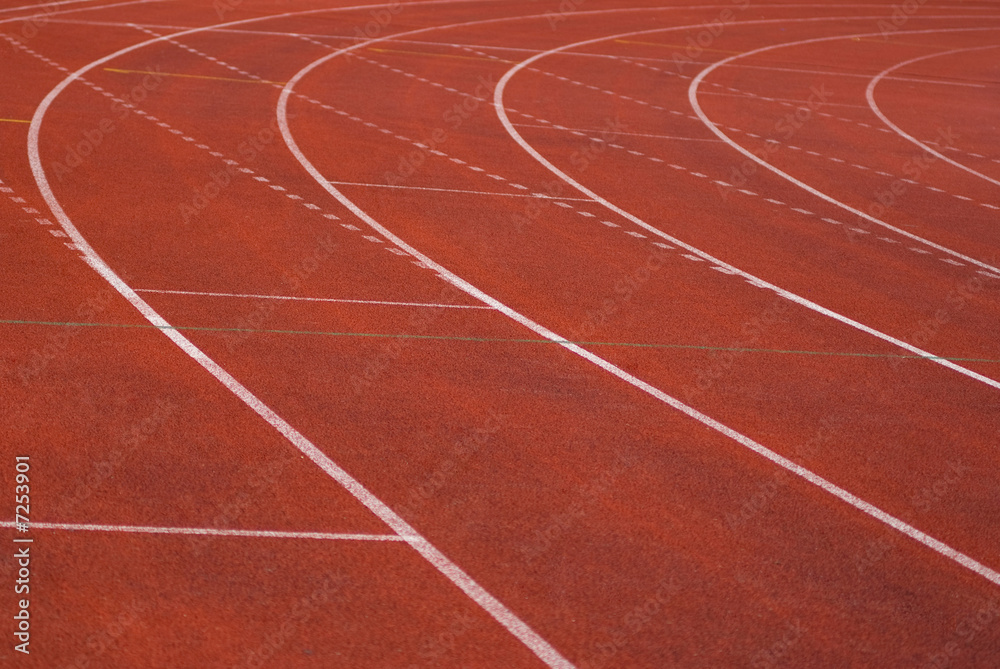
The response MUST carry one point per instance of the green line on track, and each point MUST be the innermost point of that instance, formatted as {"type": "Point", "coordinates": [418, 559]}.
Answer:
{"type": "Point", "coordinates": [493, 340]}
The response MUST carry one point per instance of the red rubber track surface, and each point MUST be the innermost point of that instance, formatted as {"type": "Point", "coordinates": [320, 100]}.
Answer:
{"type": "Point", "coordinates": [618, 530]}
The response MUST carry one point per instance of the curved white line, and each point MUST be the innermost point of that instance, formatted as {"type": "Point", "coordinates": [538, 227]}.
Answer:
{"type": "Point", "coordinates": [512, 131]}
{"type": "Point", "coordinates": [867, 508]}
{"type": "Point", "coordinates": [693, 98]}
{"type": "Point", "coordinates": [442, 563]}
{"type": "Point", "coordinates": [870, 95]}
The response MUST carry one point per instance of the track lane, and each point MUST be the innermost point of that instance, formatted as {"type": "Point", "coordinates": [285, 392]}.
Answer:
{"type": "Point", "coordinates": [647, 648]}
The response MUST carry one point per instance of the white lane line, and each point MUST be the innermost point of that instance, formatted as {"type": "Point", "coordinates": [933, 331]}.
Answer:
{"type": "Point", "coordinates": [209, 531]}
{"type": "Point", "coordinates": [312, 299]}
{"type": "Point", "coordinates": [842, 494]}
{"type": "Point", "coordinates": [870, 95]}
{"type": "Point", "coordinates": [693, 90]}
{"type": "Point", "coordinates": [502, 113]}
{"type": "Point", "coordinates": [449, 569]}
{"type": "Point", "coordinates": [458, 282]}
{"type": "Point", "coordinates": [454, 190]}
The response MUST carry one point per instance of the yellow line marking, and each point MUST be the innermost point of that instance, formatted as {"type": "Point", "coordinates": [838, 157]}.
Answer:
{"type": "Point", "coordinates": [885, 41]}
{"type": "Point", "coordinates": [439, 55]}
{"type": "Point", "coordinates": [13, 120]}
{"type": "Point", "coordinates": [675, 46]}
{"type": "Point", "coordinates": [194, 76]}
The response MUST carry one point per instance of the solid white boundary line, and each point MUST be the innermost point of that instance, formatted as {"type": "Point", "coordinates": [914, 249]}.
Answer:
{"type": "Point", "coordinates": [312, 299]}
{"type": "Point", "coordinates": [512, 131]}
{"type": "Point", "coordinates": [207, 531]}
{"type": "Point", "coordinates": [693, 99]}
{"type": "Point", "coordinates": [870, 95]}
{"type": "Point", "coordinates": [461, 284]}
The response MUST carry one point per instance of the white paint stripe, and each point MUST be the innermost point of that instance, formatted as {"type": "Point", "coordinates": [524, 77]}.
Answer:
{"type": "Point", "coordinates": [313, 299]}
{"type": "Point", "coordinates": [693, 98]}
{"type": "Point", "coordinates": [787, 464]}
{"type": "Point", "coordinates": [453, 190]}
{"type": "Point", "coordinates": [510, 621]}
{"type": "Point", "coordinates": [209, 531]}
{"type": "Point", "coordinates": [498, 99]}
{"type": "Point", "coordinates": [625, 376]}
{"type": "Point", "coordinates": [870, 95]}
{"type": "Point", "coordinates": [460, 283]}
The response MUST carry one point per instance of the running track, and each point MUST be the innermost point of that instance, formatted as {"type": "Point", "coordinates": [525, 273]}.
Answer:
{"type": "Point", "coordinates": [502, 334]}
